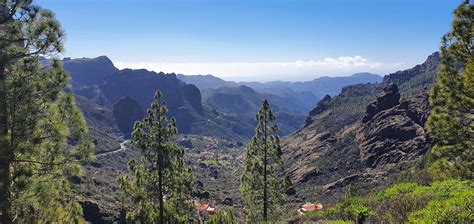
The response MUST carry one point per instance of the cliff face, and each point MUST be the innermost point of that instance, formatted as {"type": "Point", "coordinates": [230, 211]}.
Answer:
{"type": "Point", "coordinates": [89, 71]}
{"type": "Point", "coordinates": [183, 100]}
{"type": "Point", "coordinates": [126, 112]}
{"type": "Point", "coordinates": [395, 133]}
{"type": "Point", "coordinates": [364, 136]}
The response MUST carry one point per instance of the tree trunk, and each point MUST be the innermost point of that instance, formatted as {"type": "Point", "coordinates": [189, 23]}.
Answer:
{"type": "Point", "coordinates": [160, 188]}
{"type": "Point", "coordinates": [5, 156]}
{"type": "Point", "coordinates": [265, 196]}
{"type": "Point", "coordinates": [160, 183]}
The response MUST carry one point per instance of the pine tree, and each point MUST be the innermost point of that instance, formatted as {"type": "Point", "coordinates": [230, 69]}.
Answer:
{"type": "Point", "coordinates": [161, 186]}
{"type": "Point", "coordinates": [262, 186]}
{"type": "Point", "coordinates": [451, 119]}
{"type": "Point", "coordinates": [41, 129]}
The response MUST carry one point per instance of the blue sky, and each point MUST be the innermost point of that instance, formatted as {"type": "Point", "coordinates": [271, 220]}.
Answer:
{"type": "Point", "coordinates": [256, 39]}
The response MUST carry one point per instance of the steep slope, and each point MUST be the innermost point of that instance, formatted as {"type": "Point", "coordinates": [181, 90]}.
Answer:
{"type": "Point", "coordinates": [245, 101]}
{"type": "Point", "coordinates": [89, 71]}
{"type": "Point", "coordinates": [307, 92]}
{"type": "Point", "coordinates": [183, 100]}
{"type": "Point", "coordinates": [206, 81]}
{"type": "Point", "coordinates": [364, 136]}
{"type": "Point", "coordinates": [126, 113]}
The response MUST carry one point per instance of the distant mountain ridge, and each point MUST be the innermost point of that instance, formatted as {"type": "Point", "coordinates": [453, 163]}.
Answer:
{"type": "Point", "coordinates": [319, 87]}
{"type": "Point", "coordinates": [245, 101]}
{"type": "Point", "coordinates": [199, 107]}
{"type": "Point", "coordinates": [96, 69]}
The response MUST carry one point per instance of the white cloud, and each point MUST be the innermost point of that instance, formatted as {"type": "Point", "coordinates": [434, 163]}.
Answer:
{"type": "Point", "coordinates": [267, 71]}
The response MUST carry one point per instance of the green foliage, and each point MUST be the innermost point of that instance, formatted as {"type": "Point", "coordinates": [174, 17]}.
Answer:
{"type": "Point", "coordinates": [222, 217]}
{"type": "Point", "coordinates": [451, 120]}
{"type": "Point", "coordinates": [262, 187]}
{"type": "Point", "coordinates": [397, 203]}
{"type": "Point", "coordinates": [212, 162]}
{"type": "Point", "coordinates": [160, 173]}
{"type": "Point", "coordinates": [353, 209]}
{"type": "Point", "coordinates": [458, 209]}
{"type": "Point", "coordinates": [41, 129]}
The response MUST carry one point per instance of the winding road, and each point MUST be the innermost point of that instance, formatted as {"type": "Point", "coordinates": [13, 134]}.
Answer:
{"type": "Point", "coordinates": [123, 147]}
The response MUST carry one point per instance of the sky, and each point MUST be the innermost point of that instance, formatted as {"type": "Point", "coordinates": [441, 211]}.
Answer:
{"type": "Point", "coordinates": [255, 40]}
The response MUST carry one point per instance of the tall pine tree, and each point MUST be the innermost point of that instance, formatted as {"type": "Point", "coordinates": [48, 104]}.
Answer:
{"type": "Point", "coordinates": [262, 186]}
{"type": "Point", "coordinates": [452, 98]}
{"type": "Point", "coordinates": [41, 129]}
{"type": "Point", "coordinates": [160, 190]}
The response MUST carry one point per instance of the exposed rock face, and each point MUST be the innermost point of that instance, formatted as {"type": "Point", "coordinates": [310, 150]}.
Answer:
{"type": "Point", "coordinates": [193, 95]}
{"type": "Point", "coordinates": [92, 93]}
{"type": "Point", "coordinates": [89, 71]}
{"type": "Point", "coordinates": [183, 100]}
{"type": "Point", "coordinates": [348, 143]}
{"type": "Point", "coordinates": [387, 99]}
{"type": "Point", "coordinates": [320, 107]}
{"type": "Point", "coordinates": [126, 112]}
{"type": "Point", "coordinates": [396, 133]}
{"type": "Point", "coordinates": [429, 65]}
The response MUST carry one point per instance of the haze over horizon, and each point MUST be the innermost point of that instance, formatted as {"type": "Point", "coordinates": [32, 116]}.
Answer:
{"type": "Point", "coordinates": [253, 40]}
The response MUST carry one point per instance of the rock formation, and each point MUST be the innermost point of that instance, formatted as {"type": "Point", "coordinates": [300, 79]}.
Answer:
{"type": "Point", "coordinates": [393, 131]}
{"type": "Point", "coordinates": [126, 112]}
{"type": "Point", "coordinates": [387, 99]}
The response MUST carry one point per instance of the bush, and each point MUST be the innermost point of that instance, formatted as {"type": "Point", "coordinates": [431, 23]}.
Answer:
{"type": "Point", "coordinates": [397, 203]}
{"type": "Point", "coordinates": [353, 209]}
{"type": "Point", "coordinates": [458, 209]}
{"type": "Point", "coordinates": [222, 217]}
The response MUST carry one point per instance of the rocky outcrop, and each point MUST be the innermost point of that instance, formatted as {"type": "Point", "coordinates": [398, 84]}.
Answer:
{"type": "Point", "coordinates": [387, 99]}
{"type": "Point", "coordinates": [126, 112]}
{"type": "Point", "coordinates": [364, 138]}
{"type": "Point", "coordinates": [89, 71]}
{"type": "Point", "coordinates": [396, 133]}
{"type": "Point", "coordinates": [430, 65]}
{"type": "Point", "coordinates": [183, 100]}
{"type": "Point", "coordinates": [321, 106]}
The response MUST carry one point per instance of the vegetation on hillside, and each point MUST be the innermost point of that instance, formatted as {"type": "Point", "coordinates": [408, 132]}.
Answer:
{"type": "Point", "coordinates": [41, 129]}
{"type": "Point", "coordinates": [262, 187]}
{"type": "Point", "coordinates": [160, 188]}
{"type": "Point", "coordinates": [445, 193]}
{"type": "Point", "coordinates": [43, 142]}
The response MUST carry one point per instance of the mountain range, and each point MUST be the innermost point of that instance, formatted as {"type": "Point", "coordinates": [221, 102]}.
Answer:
{"type": "Point", "coordinates": [319, 87]}
{"type": "Point", "coordinates": [204, 105]}
{"type": "Point", "coordinates": [365, 135]}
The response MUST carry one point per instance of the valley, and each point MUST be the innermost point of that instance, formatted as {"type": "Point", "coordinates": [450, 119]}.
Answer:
{"type": "Point", "coordinates": [324, 147]}
{"type": "Point", "coordinates": [229, 112]}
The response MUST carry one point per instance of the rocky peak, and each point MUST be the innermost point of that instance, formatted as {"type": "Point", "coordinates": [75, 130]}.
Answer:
{"type": "Point", "coordinates": [89, 71]}
{"type": "Point", "coordinates": [430, 64]}
{"type": "Point", "coordinates": [321, 106]}
{"type": "Point", "coordinates": [389, 98]}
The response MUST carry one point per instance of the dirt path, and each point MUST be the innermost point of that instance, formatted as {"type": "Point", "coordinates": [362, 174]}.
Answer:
{"type": "Point", "coordinates": [123, 147]}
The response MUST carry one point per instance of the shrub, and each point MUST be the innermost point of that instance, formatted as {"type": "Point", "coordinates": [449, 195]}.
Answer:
{"type": "Point", "coordinates": [222, 217]}
{"type": "Point", "coordinates": [395, 204]}
{"type": "Point", "coordinates": [458, 209]}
